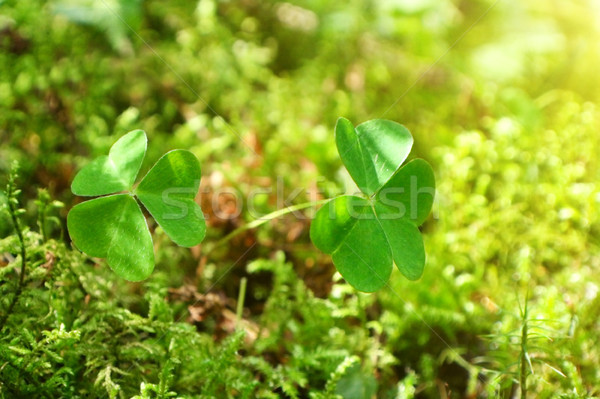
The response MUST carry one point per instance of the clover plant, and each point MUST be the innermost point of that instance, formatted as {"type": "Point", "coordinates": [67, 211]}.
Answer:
{"type": "Point", "coordinates": [367, 234]}
{"type": "Point", "coordinates": [114, 227]}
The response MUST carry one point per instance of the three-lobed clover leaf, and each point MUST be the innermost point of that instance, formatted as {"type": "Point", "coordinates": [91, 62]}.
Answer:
{"type": "Point", "coordinates": [114, 227]}
{"type": "Point", "coordinates": [366, 235]}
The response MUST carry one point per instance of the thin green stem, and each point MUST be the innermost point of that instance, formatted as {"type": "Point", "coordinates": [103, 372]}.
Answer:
{"type": "Point", "coordinates": [41, 221]}
{"type": "Point", "coordinates": [524, 359]}
{"type": "Point", "coordinates": [17, 226]}
{"type": "Point", "coordinates": [259, 222]}
{"type": "Point", "coordinates": [240, 302]}
{"type": "Point", "coordinates": [523, 374]}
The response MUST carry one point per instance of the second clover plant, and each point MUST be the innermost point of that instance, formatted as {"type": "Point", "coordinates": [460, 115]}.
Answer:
{"type": "Point", "coordinates": [114, 227]}
{"type": "Point", "coordinates": [367, 234]}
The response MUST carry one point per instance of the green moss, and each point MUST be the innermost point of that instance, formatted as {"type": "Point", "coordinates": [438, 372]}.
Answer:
{"type": "Point", "coordinates": [508, 117]}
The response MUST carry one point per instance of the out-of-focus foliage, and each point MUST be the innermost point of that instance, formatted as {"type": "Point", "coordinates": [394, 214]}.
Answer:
{"type": "Point", "coordinates": [502, 99]}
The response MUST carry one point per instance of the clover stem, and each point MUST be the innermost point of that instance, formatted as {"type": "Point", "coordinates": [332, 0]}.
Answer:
{"type": "Point", "coordinates": [264, 219]}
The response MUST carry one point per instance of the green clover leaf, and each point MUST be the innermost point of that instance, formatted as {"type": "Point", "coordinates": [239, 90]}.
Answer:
{"type": "Point", "coordinates": [115, 172]}
{"type": "Point", "coordinates": [373, 151]}
{"type": "Point", "coordinates": [168, 192]}
{"type": "Point", "coordinates": [366, 236]}
{"type": "Point", "coordinates": [114, 227]}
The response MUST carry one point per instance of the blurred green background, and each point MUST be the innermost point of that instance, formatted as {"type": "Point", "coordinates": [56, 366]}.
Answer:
{"type": "Point", "coordinates": [501, 98]}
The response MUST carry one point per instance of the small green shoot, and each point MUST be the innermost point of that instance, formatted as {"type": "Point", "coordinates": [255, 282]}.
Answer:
{"type": "Point", "coordinates": [366, 235]}
{"type": "Point", "coordinates": [15, 212]}
{"type": "Point", "coordinates": [113, 226]}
